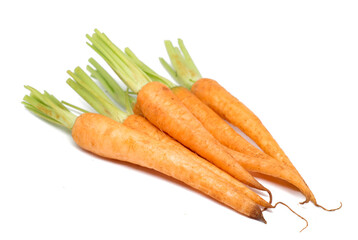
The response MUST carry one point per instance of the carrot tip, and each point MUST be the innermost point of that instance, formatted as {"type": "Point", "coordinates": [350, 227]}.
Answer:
{"type": "Point", "coordinates": [294, 213]}
{"type": "Point", "coordinates": [305, 201]}
{"type": "Point", "coordinates": [329, 210]}
{"type": "Point", "coordinates": [257, 215]}
{"type": "Point", "coordinates": [262, 219]}
{"type": "Point", "coordinates": [270, 195]}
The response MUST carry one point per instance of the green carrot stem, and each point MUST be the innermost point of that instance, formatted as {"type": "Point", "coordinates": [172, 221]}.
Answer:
{"type": "Point", "coordinates": [94, 96]}
{"type": "Point", "coordinates": [189, 61]}
{"type": "Point", "coordinates": [85, 81]}
{"type": "Point", "coordinates": [74, 107]}
{"type": "Point", "coordinates": [183, 69]}
{"type": "Point", "coordinates": [128, 104]}
{"type": "Point", "coordinates": [153, 75]}
{"type": "Point", "coordinates": [121, 64]}
{"type": "Point", "coordinates": [108, 82]}
{"type": "Point", "coordinates": [101, 105]}
{"type": "Point", "coordinates": [49, 108]}
{"type": "Point", "coordinates": [169, 69]}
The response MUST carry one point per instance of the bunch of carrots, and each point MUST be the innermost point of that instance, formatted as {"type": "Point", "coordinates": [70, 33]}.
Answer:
{"type": "Point", "coordinates": [179, 129]}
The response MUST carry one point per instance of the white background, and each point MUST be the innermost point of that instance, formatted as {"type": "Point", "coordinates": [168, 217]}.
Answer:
{"type": "Point", "coordinates": [294, 63]}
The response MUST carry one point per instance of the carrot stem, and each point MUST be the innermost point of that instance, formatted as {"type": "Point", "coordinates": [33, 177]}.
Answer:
{"type": "Point", "coordinates": [183, 69]}
{"type": "Point", "coordinates": [188, 60]}
{"type": "Point", "coordinates": [74, 107]}
{"type": "Point", "coordinates": [169, 69]}
{"type": "Point", "coordinates": [147, 70]}
{"type": "Point", "coordinates": [121, 64]}
{"type": "Point", "coordinates": [49, 108]}
{"type": "Point", "coordinates": [94, 96]}
{"type": "Point", "coordinates": [108, 82]}
{"type": "Point", "coordinates": [120, 96]}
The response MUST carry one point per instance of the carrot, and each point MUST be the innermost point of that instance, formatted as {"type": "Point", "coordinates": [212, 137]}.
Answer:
{"type": "Point", "coordinates": [161, 107]}
{"type": "Point", "coordinates": [251, 158]}
{"type": "Point", "coordinates": [140, 124]}
{"type": "Point", "coordinates": [248, 156]}
{"type": "Point", "coordinates": [176, 120]}
{"type": "Point", "coordinates": [107, 138]}
{"type": "Point", "coordinates": [228, 107]}
{"type": "Point", "coordinates": [90, 92]}
{"type": "Point", "coordinates": [223, 103]}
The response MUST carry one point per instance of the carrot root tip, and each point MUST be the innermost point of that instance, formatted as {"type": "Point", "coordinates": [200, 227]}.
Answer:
{"type": "Point", "coordinates": [305, 201]}
{"type": "Point", "coordinates": [262, 219]}
{"type": "Point", "coordinates": [270, 195]}
{"type": "Point", "coordinates": [294, 213]}
{"type": "Point", "coordinates": [329, 210]}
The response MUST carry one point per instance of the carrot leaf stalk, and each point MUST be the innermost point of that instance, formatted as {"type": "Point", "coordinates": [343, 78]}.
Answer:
{"type": "Point", "coordinates": [108, 82]}
{"type": "Point", "coordinates": [183, 69]}
{"type": "Point", "coordinates": [74, 107]}
{"type": "Point", "coordinates": [147, 70]}
{"type": "Point", "coordinates": [94, 96]}
{"type": "Point", "coordinates": [119, 95]}
{"type": "Point", "coordinates": [121, 64]}
{"type": "Point", "coordinates": [49, 108]}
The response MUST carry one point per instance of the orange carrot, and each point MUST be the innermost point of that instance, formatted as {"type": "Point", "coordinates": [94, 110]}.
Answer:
{"type": "Point", "coordinates": [231, 109]}
{"type": "Point", "coordinates": [95, 96]}
{"type": "Point", "coordinates": [248, 156]}
{"type": "Point", "coordinates": [140, 124]}
{"type": "Point", "coordinates": [111, 139]}
{"type": "Point", "coordinates": [185, 72]}
{"type": "Point", "coordinates": [161, 107]}
{"type": "Point", "coordinates": [251, 158]}
{"type": "Point", "coordinates": [107, 138]}
{"type": "Point", "coordinates": [177, 121]}
{"type": "Point", "coordinates": [220, 129]}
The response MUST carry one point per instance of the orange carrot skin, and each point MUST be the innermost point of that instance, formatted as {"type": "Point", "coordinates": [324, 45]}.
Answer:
{"type": "Point", "coordinates": [220, 129]}
{"type": "Point", "coordinates": [139, 123]}
{"type": "Point", "coordinates": [231, 109]}
{"type": "Point", "coordinates": [272, 167]}
{"type": "Point", "coordinates": [163, 109]}
{"type": "Point", "coordinates": [251, 158]}
{"type": "Point", "coordinates": [108, 138]}
{"type": "Point", "coordinates": [142, 125]}
{"type": "Point", "coordinates": [136, 109]}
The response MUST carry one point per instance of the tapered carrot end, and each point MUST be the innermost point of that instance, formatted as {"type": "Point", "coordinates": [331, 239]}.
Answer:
{"type": "Point", "coordinates": [270, 195]}
{"type": "Point", "coordinates": [329, 210]}
{"type": "Point", "coordinates": [256, 213]}
{"type": "Point", "coordinates": [262, 219]}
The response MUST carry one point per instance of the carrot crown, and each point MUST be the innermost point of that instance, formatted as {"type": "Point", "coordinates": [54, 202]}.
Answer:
{"type": "Point", "coordinates": [49, 108]}
{"type": "Point", "coordinates": [121, 64]}
{"type": "Point", "coordinates": [94, 95]}
{"type": "Point", "coordinates": [183, 69]}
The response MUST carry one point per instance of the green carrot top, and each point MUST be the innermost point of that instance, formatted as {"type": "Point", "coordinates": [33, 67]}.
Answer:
{"type": "Point", "coordinates": [121, 64]}
{"type": "Point", "coordinates": [49, 108]}
{"type": "Point", "coordinates": [95, 96]}
{"type": "Point", "coordinates": [183, 69]}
